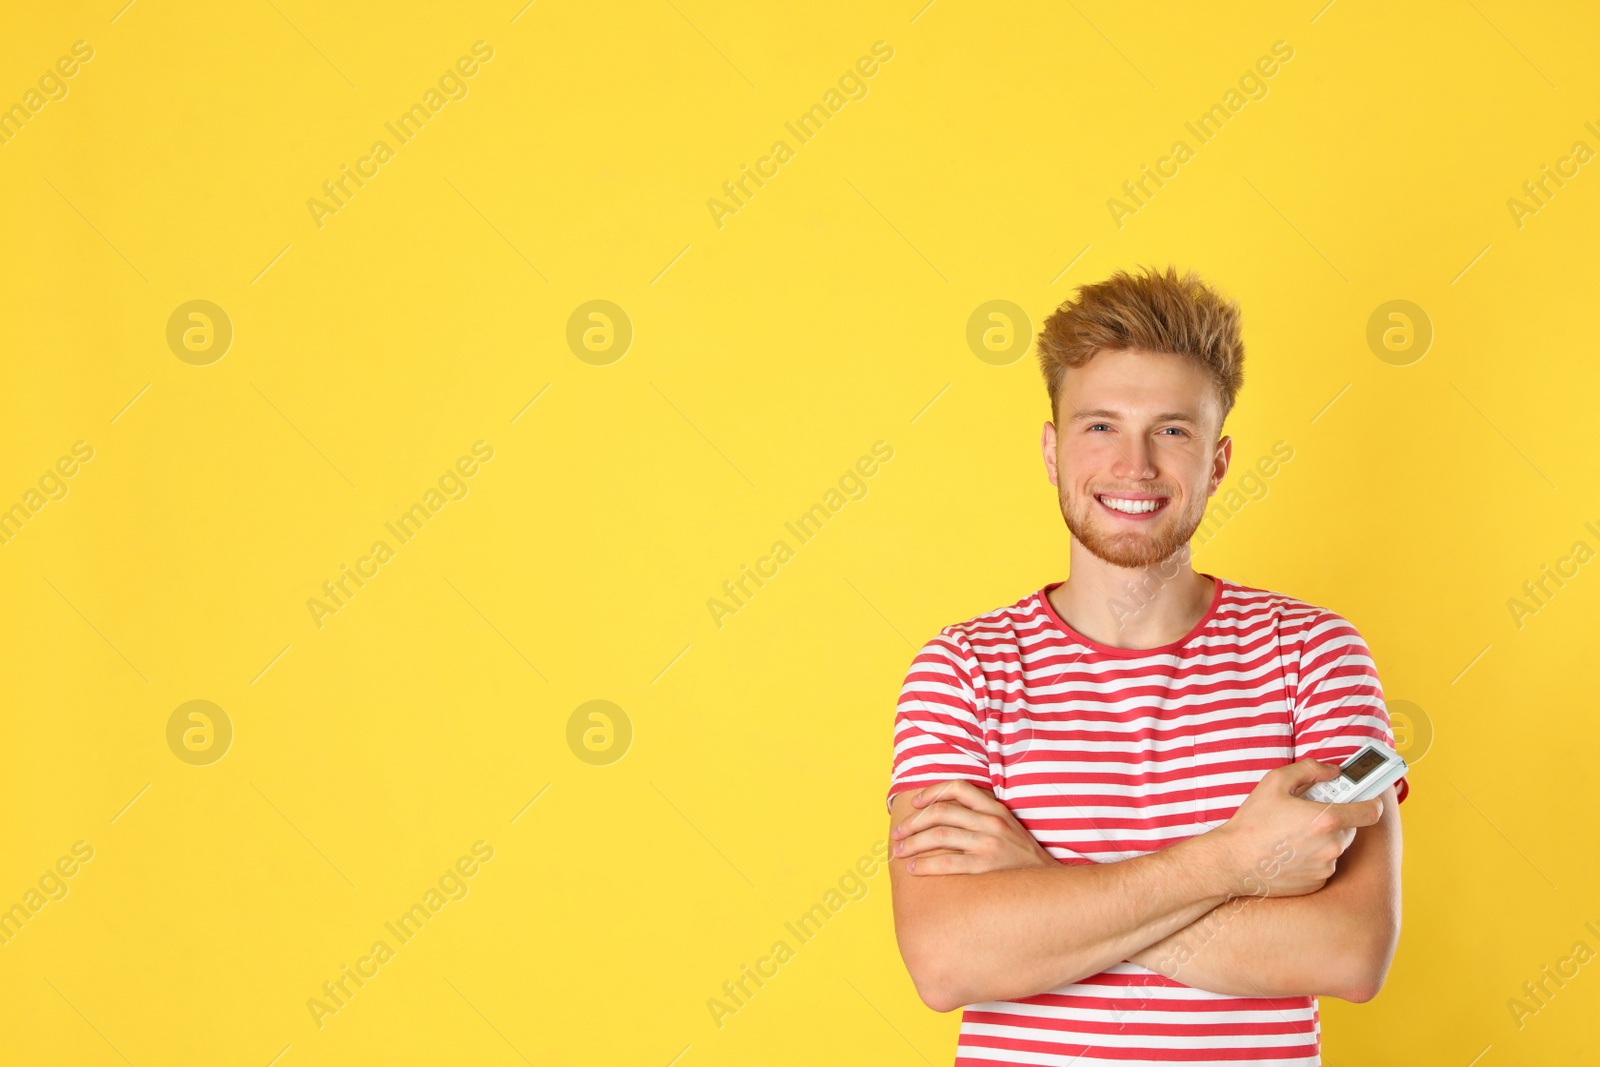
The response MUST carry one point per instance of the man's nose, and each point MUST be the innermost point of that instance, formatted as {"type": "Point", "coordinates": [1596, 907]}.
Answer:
{"type": "Point", "coordinates": [1135, 460]}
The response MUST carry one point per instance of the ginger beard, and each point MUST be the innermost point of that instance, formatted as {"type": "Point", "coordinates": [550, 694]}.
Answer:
{"type": "Point", "coordinates": [1136, 544]}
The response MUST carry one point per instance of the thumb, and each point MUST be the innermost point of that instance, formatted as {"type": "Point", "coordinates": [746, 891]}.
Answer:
{"type": "Point", "coordinates": [1303, 774]}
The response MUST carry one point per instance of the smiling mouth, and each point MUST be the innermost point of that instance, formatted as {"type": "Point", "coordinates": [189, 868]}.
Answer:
{"type": "Point", "coordinates": [1132, 505]}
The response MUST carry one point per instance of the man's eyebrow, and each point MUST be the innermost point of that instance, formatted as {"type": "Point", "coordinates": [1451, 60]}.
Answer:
{"type": "Point", "coordinates": [1107, 413]}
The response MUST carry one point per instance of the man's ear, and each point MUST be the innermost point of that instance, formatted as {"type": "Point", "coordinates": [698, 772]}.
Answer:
{"type": "Point", "coordinates": [1219, 467]}
{"type": "Point", "coordinates": [1047, 443]}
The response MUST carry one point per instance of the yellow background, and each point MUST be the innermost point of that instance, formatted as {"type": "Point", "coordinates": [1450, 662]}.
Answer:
{"type": "Point", "coordinates": [768, 355]}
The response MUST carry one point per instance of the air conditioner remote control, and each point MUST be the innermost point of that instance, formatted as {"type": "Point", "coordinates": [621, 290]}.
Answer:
{"type": "Point", "coordinates": [1363, 776]}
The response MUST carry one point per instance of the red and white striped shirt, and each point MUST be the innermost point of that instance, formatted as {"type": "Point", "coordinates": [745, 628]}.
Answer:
{"type": "Point", "coordinates": [1108, 753]}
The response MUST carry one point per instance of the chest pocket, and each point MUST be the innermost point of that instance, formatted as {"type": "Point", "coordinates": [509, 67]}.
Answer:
{"type": "Point", "coordinates": [1230, 758]}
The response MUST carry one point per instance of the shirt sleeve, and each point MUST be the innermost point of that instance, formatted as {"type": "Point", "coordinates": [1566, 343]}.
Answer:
{"type": "Point", "coordinates": [938, 727]}
{"type": "Point", "coordinates": [1338, 698]}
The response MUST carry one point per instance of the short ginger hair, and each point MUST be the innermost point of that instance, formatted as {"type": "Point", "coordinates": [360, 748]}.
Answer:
{"type": "Point", "coordinates": [1151, 311]}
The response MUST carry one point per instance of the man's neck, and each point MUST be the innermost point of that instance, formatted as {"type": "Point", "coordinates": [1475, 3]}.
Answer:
{"type": "Point", "coordinates": [1132, 608]}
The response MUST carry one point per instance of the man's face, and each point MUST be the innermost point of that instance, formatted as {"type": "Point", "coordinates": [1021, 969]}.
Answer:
{"type": "Point", "coordinates": [1137, 431]}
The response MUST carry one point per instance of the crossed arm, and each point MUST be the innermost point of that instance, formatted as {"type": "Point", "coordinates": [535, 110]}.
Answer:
{"type": "Point", "coordinates": [995, 931]}
{"type": "Point", "coordinates": [1337, 941]}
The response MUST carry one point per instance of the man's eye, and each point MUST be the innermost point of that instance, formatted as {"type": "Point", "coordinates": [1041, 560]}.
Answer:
{"type": "Point", "coordinates": [1178, 428]}
{"type": "Point", "coordinates": [1099, 424]}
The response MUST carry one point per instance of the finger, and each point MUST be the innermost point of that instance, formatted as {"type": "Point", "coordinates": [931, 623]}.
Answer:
{"type": "Point", "coordinates": [945, 813]}
{"type": "Point", "coordinates": [1376, 807]}
{"type": "Point", "coordinates": [1358, 813]}
{"type": "Point", "coordinates": [962, 792]}
{"type": "Point", "coordinates": [945, 863]}
{"type": "Point", "coordinates": [1303, 774]}
{"type": "Point", "coordinates": [939, 837]}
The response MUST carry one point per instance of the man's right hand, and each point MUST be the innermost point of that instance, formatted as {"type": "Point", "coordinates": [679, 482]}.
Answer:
{"type": "Point", "coordinates": [1281, 844]}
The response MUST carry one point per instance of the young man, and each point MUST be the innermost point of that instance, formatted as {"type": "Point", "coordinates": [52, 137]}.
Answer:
{"type": "Point", "coordinates": [1100, 848]}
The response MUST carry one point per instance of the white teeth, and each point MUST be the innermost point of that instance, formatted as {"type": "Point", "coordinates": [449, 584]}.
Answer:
{"type": "Point", "coordinates": [1130, 507]}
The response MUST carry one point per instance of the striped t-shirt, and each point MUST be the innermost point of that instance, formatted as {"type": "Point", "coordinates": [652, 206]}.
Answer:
{"type": "Point", "coordinates": [1108, 753]}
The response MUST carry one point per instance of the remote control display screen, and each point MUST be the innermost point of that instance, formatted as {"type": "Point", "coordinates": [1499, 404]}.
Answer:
{"type": "Point", "coordinates": [1369, 760]}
